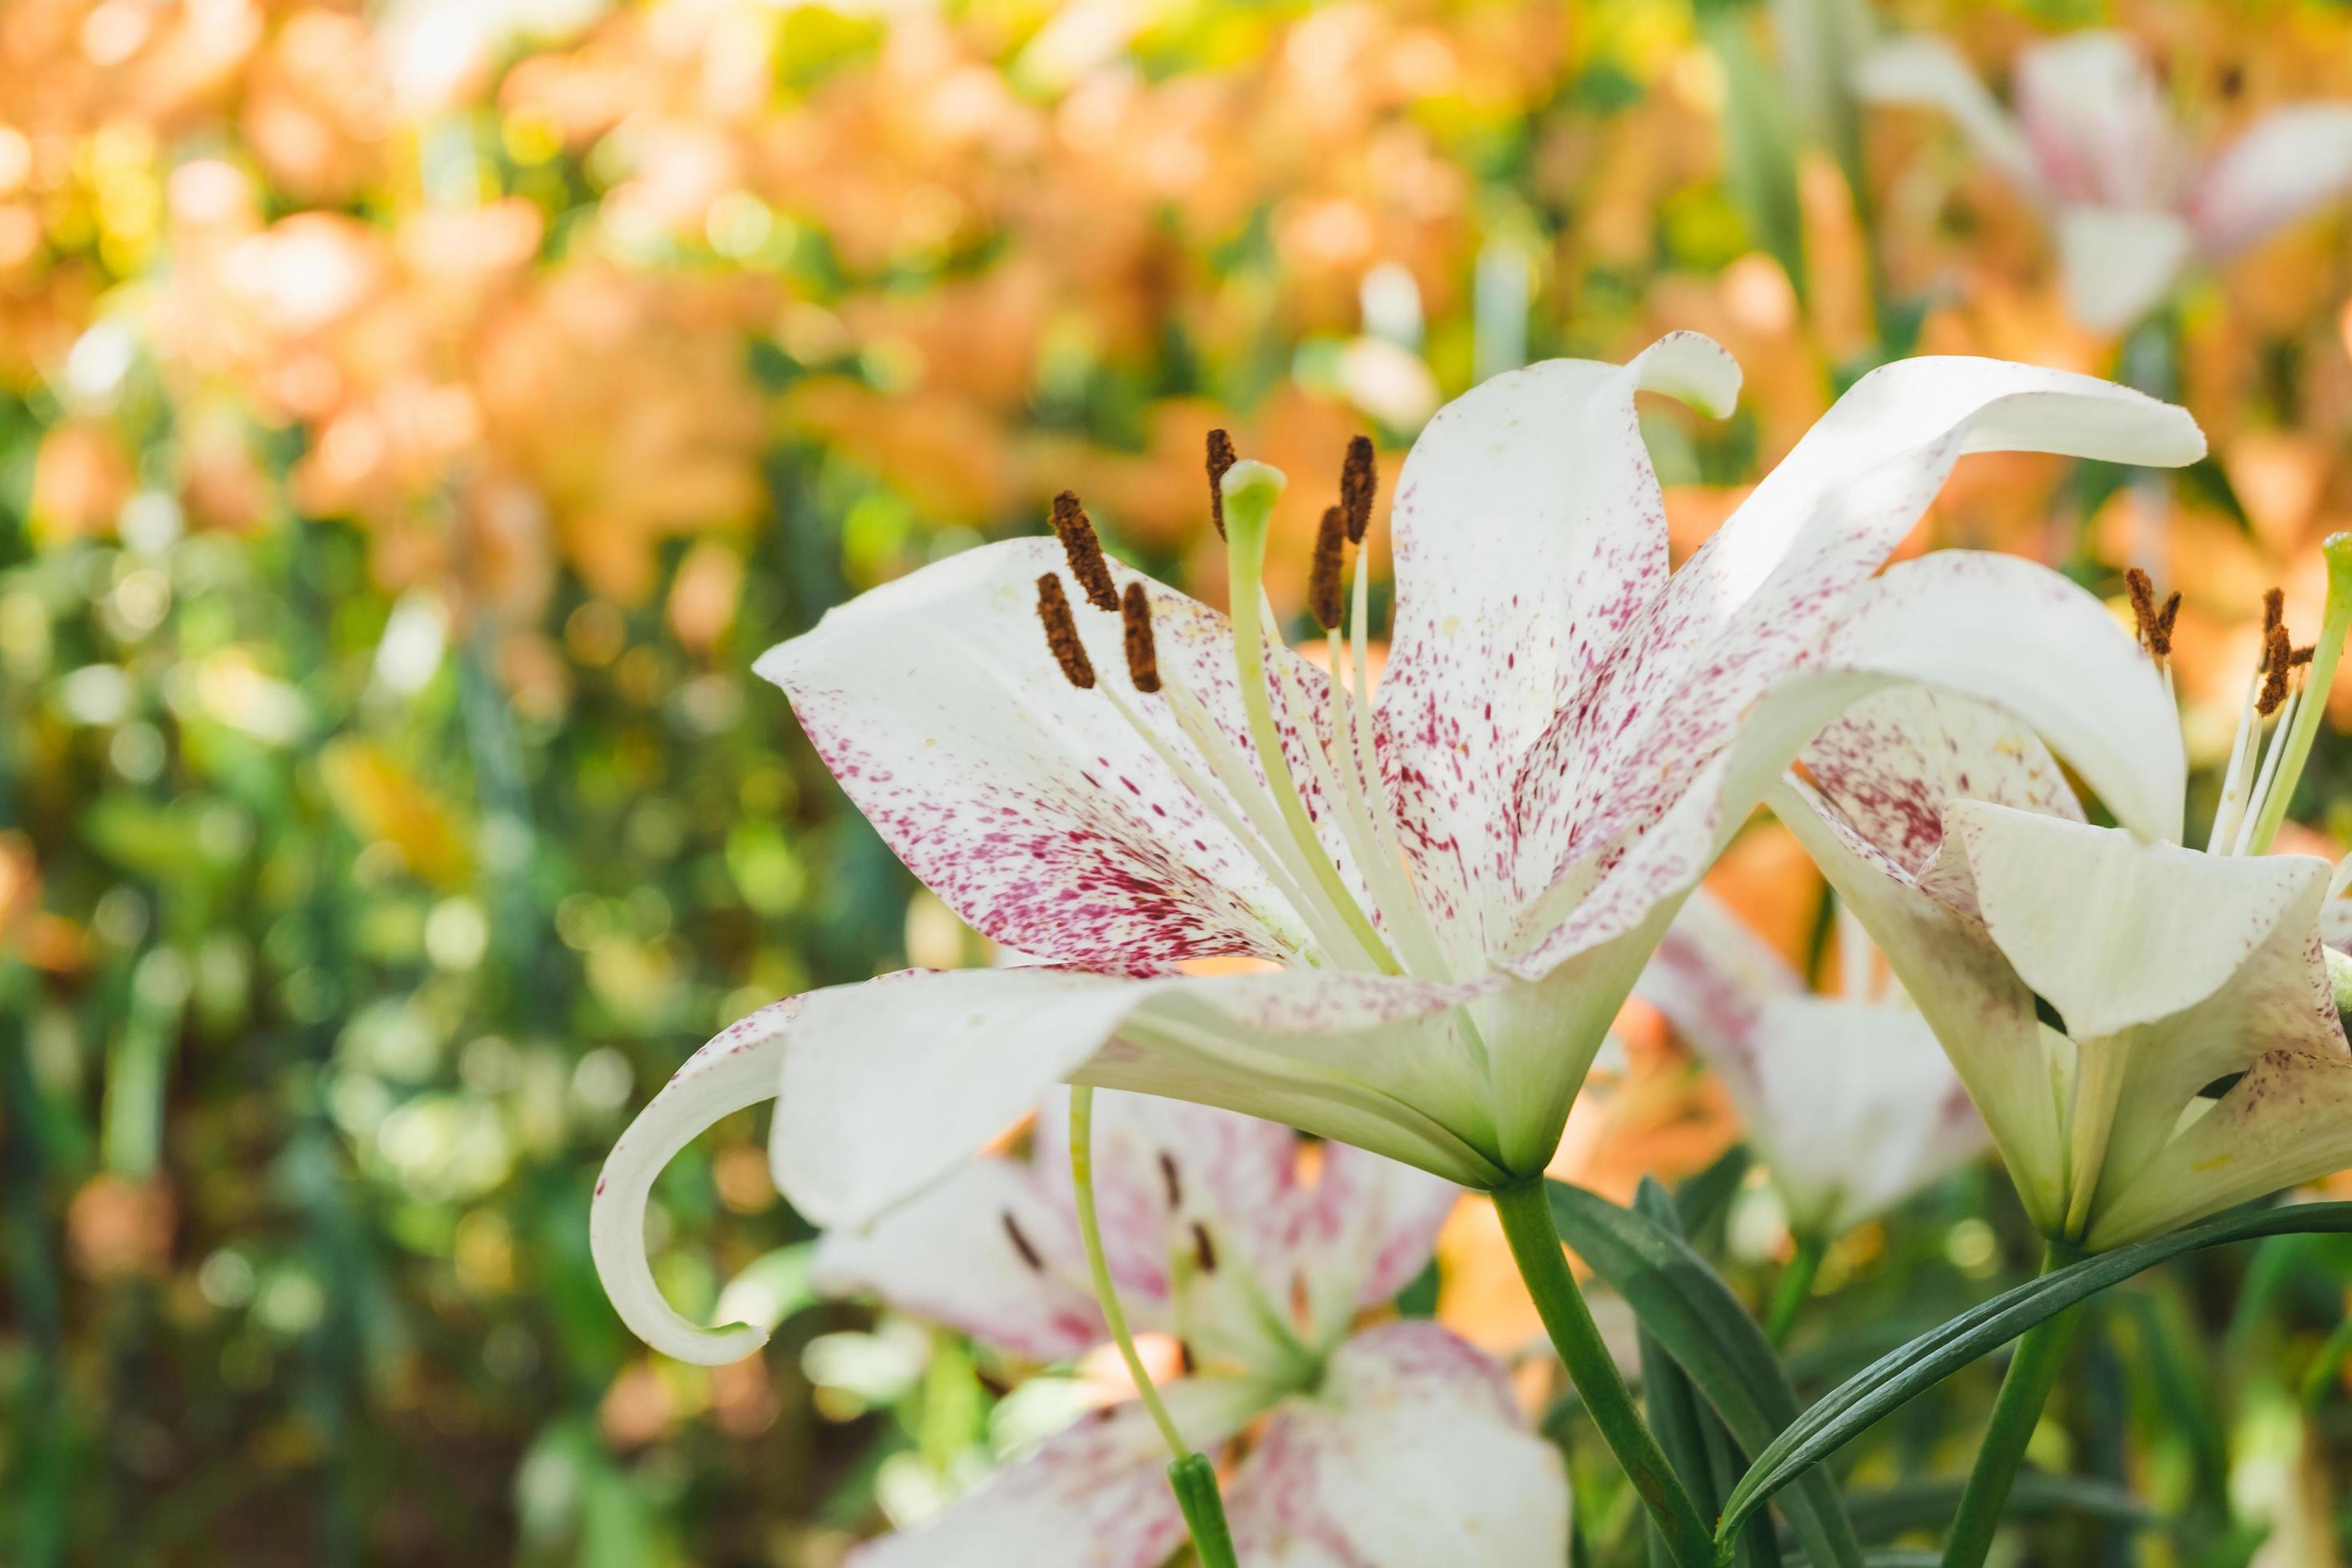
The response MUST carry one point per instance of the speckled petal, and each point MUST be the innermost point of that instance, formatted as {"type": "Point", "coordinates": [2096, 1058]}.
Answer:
{"type": "Point", "coordinates": [2288, 1121]}
{"type": "Point", "coordinates": [739, 1067]}
{"type": "Point", "coordinates": [1793, 567]}
{"type": "Point", "coordinates": [992, 1251]}
{"type": "Point", "coordinates": [1095, 1497]}
{"type": "Point", "coordinates": [1032, 807]}
{"type": "Point", "coordinates": [2287, 163]}
{"type": "Point", "coordinates": [1412, 1452]}
{"type": "Point", "coordinates": [1162, 1166]}
{"type": "Point", "coordinates": [1892, 762]}
{"type": "Point", "coordinates": [1529, 533]}
{"type": "Point", "coordinates": [1357, 1236]}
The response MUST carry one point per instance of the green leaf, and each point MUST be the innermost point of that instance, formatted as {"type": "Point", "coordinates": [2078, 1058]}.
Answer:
{"type": "Point", "coordinates": [1672, 1403]}
{"type": "Point", "coordinates": [1703, 1203]}
{"type": "Point", "coordinates": [1852, 1407]}
{"type": "Point", "coordinates": [1929, 1504]}
{"type": "Point", "coordinates": [1688, 1309]}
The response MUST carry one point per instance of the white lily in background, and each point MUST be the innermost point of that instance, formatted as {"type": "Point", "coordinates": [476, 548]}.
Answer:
{"type": "Point", "coordinates": [1848, 1099]}
{"type": "Point", "coordinates": [2196, 1058]}
{"type": "Point", "coordinates": [2094, 145]}
{"type": "Point", "coordinates": [1448, 891]}
{"type": "Point", "coordinates": [1387, 1446]}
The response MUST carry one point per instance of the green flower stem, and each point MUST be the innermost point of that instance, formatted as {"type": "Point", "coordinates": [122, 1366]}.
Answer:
{"type": "Point", "coordinates": [1190, 1476]}
{"type": "Point", "coordinates": [1535, 1246]}
{"type": "Point", "coordinates": [2033, 1372]}
{"type": "Point", "coordinates": [1796, 1284]}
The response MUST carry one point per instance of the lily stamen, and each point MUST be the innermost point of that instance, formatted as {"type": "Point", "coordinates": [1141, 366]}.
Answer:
{"type": "Point", "coordinates": [1084, 548]}
{"type": "Point", "coordinates": [1142, 652]}
{"type": "Point", "coordinates": [1323, 579]}
{"type": "Point", "coordinates": [1062, 633]}
{"type": "Point", "coordinates": [1222, 456]}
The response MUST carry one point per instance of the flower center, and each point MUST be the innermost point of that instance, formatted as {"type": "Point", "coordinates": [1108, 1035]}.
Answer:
{"type": "Point", "coordinates": [1373, 919]}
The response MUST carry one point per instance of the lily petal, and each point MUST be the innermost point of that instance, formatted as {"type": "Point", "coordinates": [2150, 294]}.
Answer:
{"type": "Point", "coordinates": [1793, 565]}
{"type": "Point", "coordinates": [737, 1068]}
{"type": "Point", "coordinates": [2118, 263]}
{"type": "Point", "coordinates": [2118, 932]}
{"type": "Point", "coordinates": [2095, 118]}
{"type": "Point", "coordinates": [1035, 809]}
{"type": "Point", "coordinates": [1891, 762]}
{"type": "Point", "coordinates": [2009, 633]}
{"type": "Point", "coordinates": [1095, 1497]}
{"type": "Point", "coordinates": [889, 1086]}
{"type": "Point", "coordinates": [988, 1252]}
{"type": "Point", "coordinates": [2290, 161]}
{"type": "Point", "coordinates": [1858, 1109]}
{"type": "Point", "coordinates": [1926, 73]}
{"type": "Point", "coordinates": [1528, 533]}
{"type": "Point", "coordinates": [1412, 1447]}
{"type": "Point", "coordinates": [1359, 1235]}
{"type": "Point", "coordinates": [2289, 1120]}
{"type": "Point", "coordinates": [1162, 1166]}
{"type": "Point", "coordinates": [1712, 978]}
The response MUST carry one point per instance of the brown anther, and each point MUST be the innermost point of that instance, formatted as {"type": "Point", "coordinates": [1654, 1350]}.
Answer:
{"type": "Point", "coordinates": [1323, 581]}
{"type": "Point", "coordinates": [2301, 655]}
{"type": "Point", "coordinates": [1062, 633]}
{"type": "Point", "coordinates": [2143, 604]}
{"type": "Point", "coordinates": [1142, 652]}
{"type": "Point", "coordinates": [2159, 637]}
{"type": "Point", "coordinates": [1222, 456]}
{"type": "Point", "coordinates": [2275, 659]}
{"type": "Point", "coordinates": [1021, 1244]}
{"type": "Point", "coordinates": [1072, 527]}
{"type": "Point", "coordinates": [1358, 479]}
{"type": "Point", "coordinates": [2274, 612]}
{"type": "Point", "coordinates": [1168, 1174]}
{"type": "Point", "coordinates": [1204, 1254]}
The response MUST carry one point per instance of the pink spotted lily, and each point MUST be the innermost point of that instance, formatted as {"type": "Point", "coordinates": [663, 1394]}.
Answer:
{"type": "Point", "coordinates": [2150, 1030]}
{"type": "Point", "coordinates": [1847, 1098]}
{"type": "Point", "coordinates": [1444, 891]}
{"type": "Point", "coordinates": [2094, 145]}
{"type": "Point", "coordinates": [1388, 1445]}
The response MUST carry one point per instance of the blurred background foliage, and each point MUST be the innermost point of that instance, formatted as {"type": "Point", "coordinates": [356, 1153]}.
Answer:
{"type": "Point", "coordinates": [414, 417]}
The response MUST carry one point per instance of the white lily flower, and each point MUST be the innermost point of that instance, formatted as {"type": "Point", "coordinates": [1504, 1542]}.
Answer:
{"type": "Point", "coordinates": [1848, 1098]}
{"type": "Point", "coordinates": [2150, 1030]}
{"type": "Point", "coordinates": [1448, 891]}
{"type": "Point", "coordinates": [2094, 146]}
{"type": "Point", "coordinates": [1388, 1445]}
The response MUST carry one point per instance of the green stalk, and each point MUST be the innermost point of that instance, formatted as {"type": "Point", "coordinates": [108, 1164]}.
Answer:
{"type": "Point", "coordinates": [1535, 1246]}
{"type": "Point", "coordinates": [2033, 1372]}
{"type": "Point", "coordinates": [2336, 620]}
{"type": "Point", "coordinates": [1189, 1476]}
{"type": "Point", "coordinates": [1796, 1284]}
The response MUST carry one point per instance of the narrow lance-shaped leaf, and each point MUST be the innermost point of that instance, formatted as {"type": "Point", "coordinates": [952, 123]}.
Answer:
{"type": "Point", "coordinates": [1685, 1305]}
{"type": "Point", "coordinates": [1857, 1405]}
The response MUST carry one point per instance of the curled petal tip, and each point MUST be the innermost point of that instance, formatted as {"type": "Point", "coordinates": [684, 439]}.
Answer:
{"type": "Point", "coordinates": [737, 1068]}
